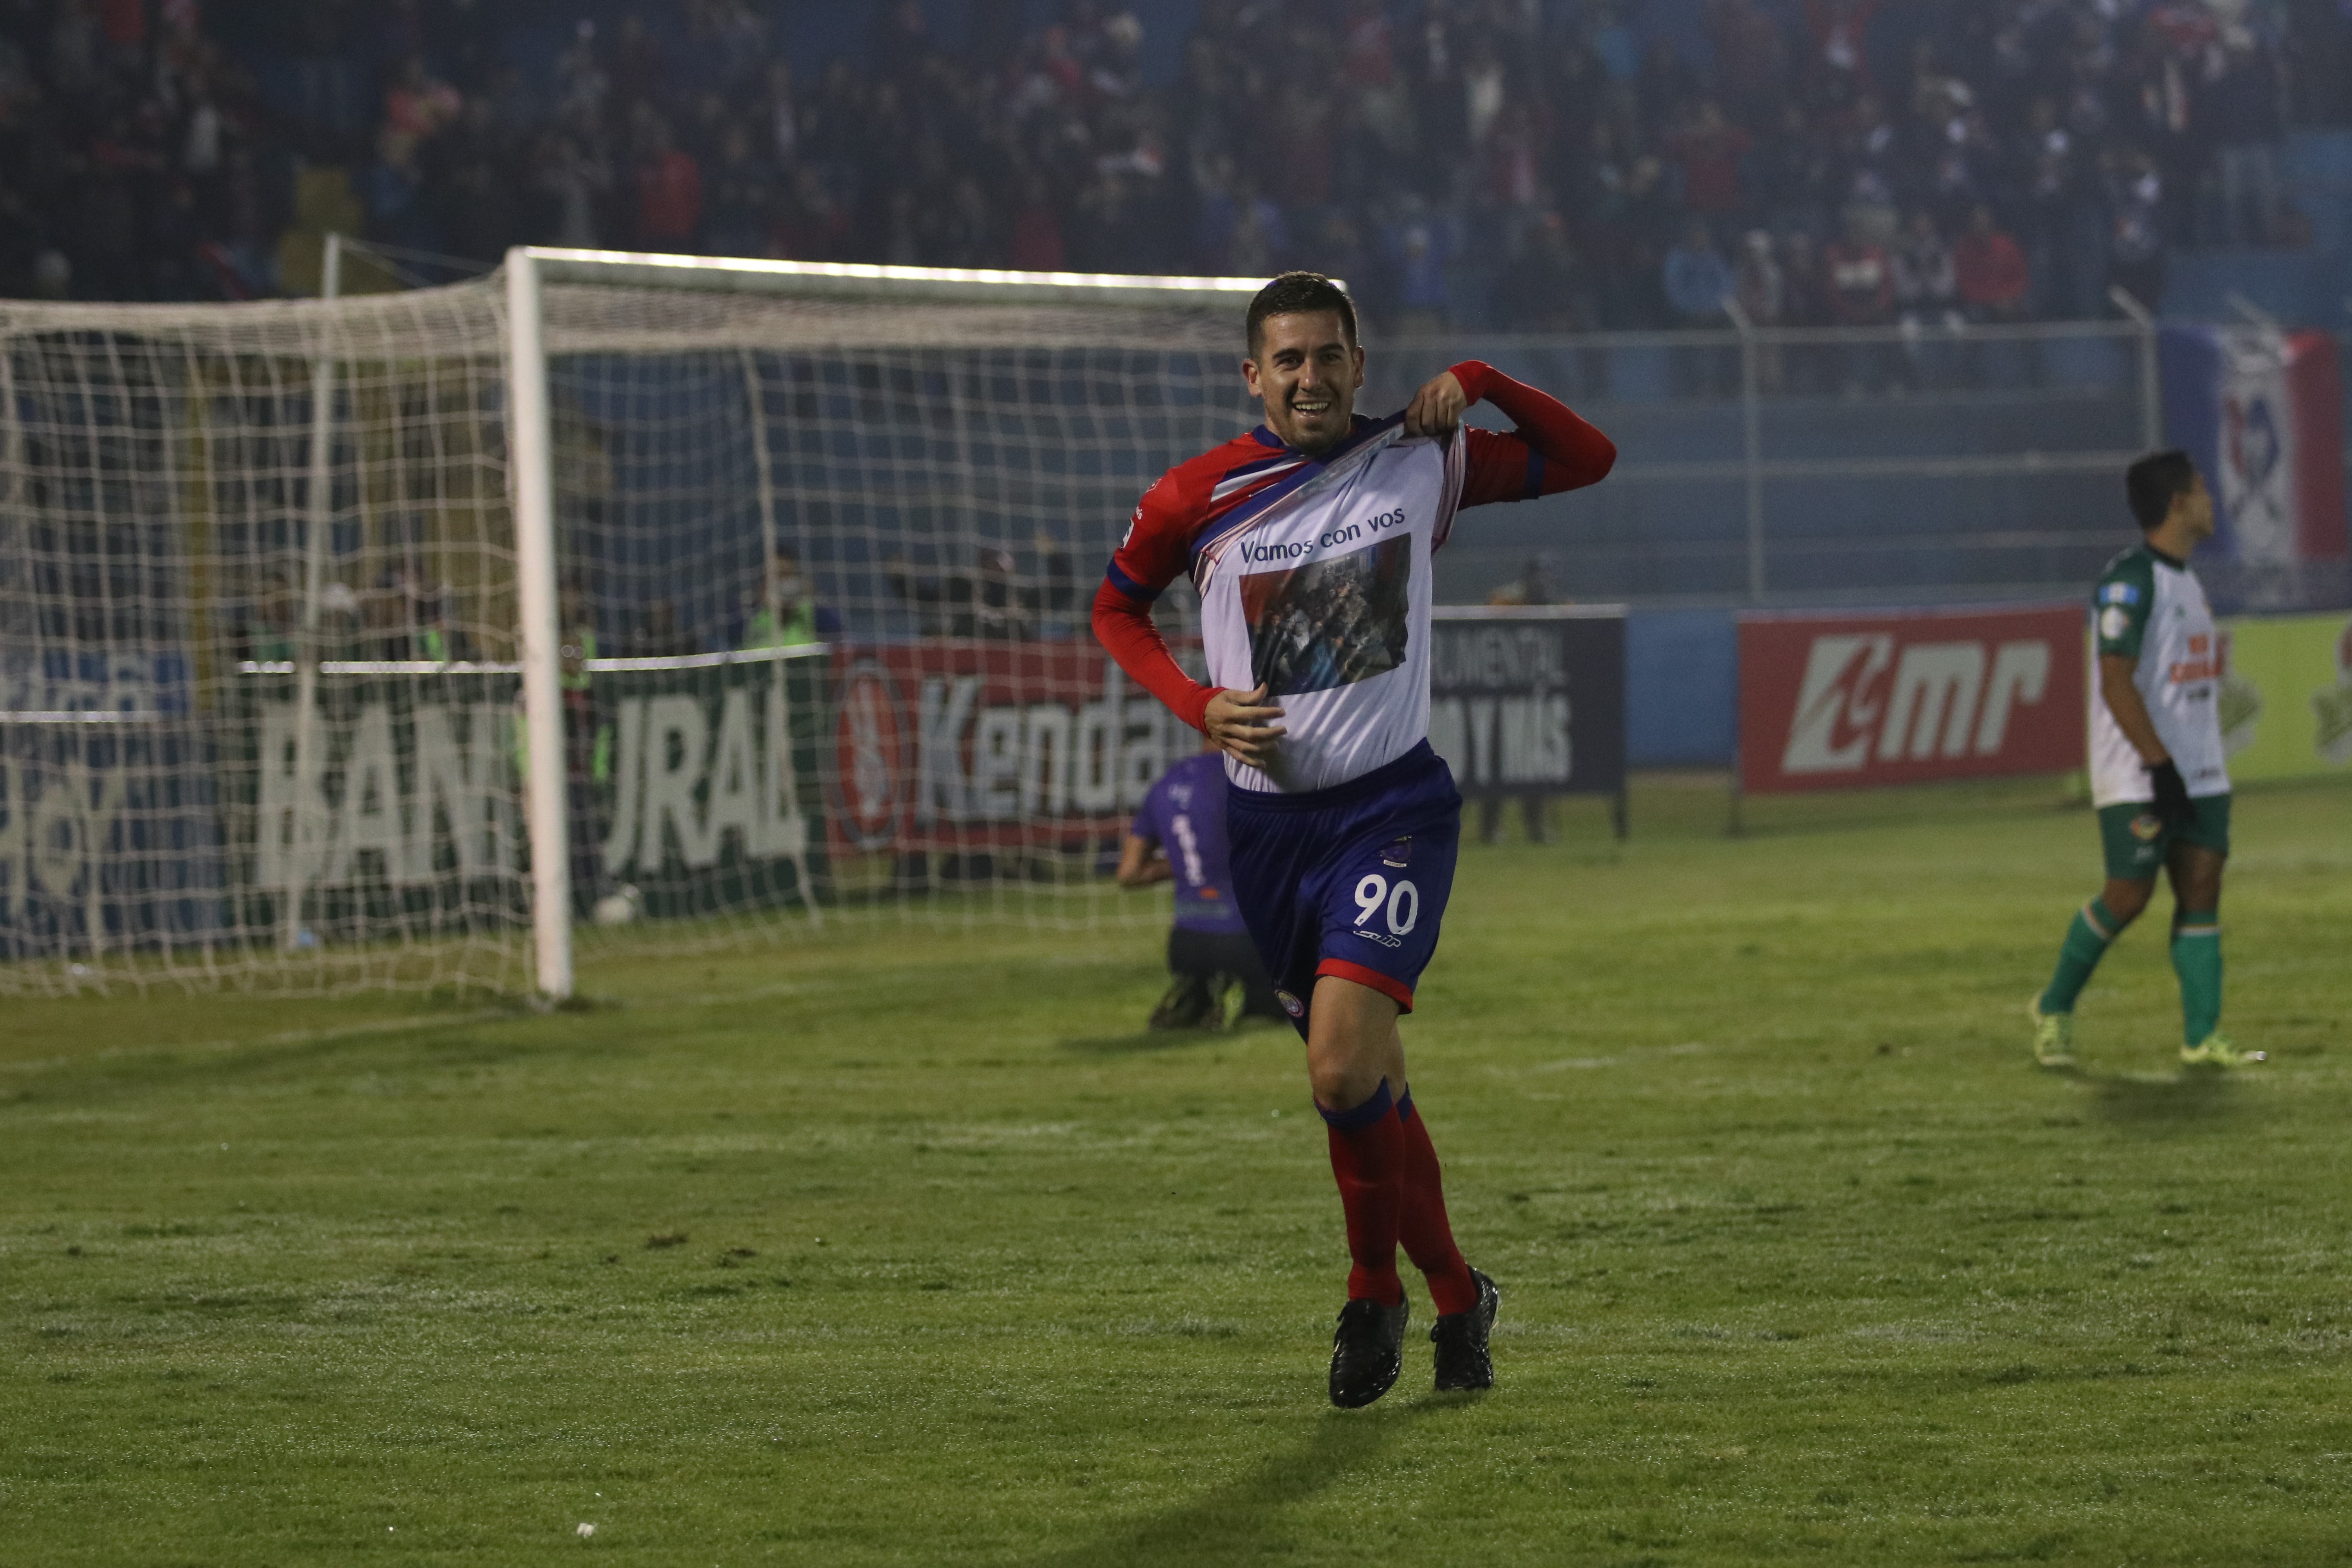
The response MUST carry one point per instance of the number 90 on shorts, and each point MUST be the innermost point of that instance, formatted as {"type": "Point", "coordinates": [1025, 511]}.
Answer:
{"type": "Point", "coordinates": [1400, 903]}
{"type": "Point", "coordinates": [1381, 907]}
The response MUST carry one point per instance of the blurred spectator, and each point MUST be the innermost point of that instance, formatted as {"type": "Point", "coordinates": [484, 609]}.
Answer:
{"type": "Point", "coordinates": [788, 616]}
{"type": "Point", "coordinates": [1709, 151]}
{"type": "Point", "coordinates": [1698, 278]}
{"type": "Point", "coordinates": [2242, 113]}
{"type": "Point", "coordinates": [742, 198]}
{"type": "Point", "coordinates": [809, 225]}
{"type": "Point", "coordinates": [1758, 283]}
{"type": "Point", "coordinates": [1035, 242]}
{"type": "Point", "coordinates": [1531, 587]}
{"type": "Point", "coordinates": [571, 188]}
{"type": "Point", "coordinates": [1543, 291]}
{"type": "Point", "coordinates": [1988, 270]}
{"type": "Point", "coordinates": [669, 193]}
{"type": "Point", "coordinates": [990, 602]}
{"type": "Point", "coordinates": [1698, 282]}
{"type": "Point", "coordinates": [1926, 284]}
{"type": "Point", "coordinates": [1927, 298]}
{"type": "Point", "coordinates": [659, 635]}
{"type": "Point", "coordinates": [1804, 302]}
{"type": "Point", "coordinates": [416, 106]}
{"type": "Point", "coordinates": [1861, 277]}
{"type": "Point", "coordinates": [1417, 247]}
{"type": "Point", "coordinates": [2135, 210]}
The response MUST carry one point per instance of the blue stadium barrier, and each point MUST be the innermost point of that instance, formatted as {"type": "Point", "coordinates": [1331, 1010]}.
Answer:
{"type": "Point", "coordinates": [1682, 685]}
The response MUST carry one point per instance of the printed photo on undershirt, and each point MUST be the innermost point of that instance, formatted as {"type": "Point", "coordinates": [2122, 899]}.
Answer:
{"type": "Point", "coordinates": [1332, 622]}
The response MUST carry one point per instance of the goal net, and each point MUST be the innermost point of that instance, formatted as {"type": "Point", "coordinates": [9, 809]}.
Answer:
{"type": "Point", "coordinates": [398, 641]}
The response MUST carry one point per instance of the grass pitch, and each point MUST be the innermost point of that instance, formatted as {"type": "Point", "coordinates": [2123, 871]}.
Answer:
{"type": "Point", "coordinates": [902, 1248]}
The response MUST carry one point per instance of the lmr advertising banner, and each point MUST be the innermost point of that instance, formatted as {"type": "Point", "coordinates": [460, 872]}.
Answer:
{"type": "Point", "coordinates": [1529, 700]}
{"type": "Point", "coordinates": [1909, 697]}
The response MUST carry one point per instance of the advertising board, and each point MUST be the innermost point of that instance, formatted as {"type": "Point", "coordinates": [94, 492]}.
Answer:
{"type": "Point", "coordinates": [1530, 699]}
{"type": "Point", "coordinates": [2286, 697]}
{"type": "Point", "coordinates": [964, 747]}
{"type": "Point", "coordinates": [1846, 701]}
{"type": "Point", "coordinates": [705, 780]}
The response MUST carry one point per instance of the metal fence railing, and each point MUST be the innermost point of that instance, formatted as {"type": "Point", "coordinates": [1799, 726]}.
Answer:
{"type": "Point", "coordinates": [1777, 466]}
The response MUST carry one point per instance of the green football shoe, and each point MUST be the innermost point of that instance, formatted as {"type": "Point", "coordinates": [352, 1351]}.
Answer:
{"type": "Point", "coordinates": [2217, 1050]}
{"type": "Point", "coordinates": [2053, 1035]}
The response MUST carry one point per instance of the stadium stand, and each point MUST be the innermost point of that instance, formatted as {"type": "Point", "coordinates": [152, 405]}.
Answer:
{"type": "Point", "coordinates": [1511, 164]}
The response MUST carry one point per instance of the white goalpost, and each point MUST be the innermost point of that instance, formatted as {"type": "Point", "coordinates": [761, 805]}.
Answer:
{"type": "Point", "coordinates": [613, 604]}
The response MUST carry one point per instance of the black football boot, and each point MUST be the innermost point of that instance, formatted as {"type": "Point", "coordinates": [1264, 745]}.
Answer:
{"type": "Point", "coordinates": [1189, 1005]}
{"type": "Point", "coordinates": [1367, 1353]}
{"type": "Point", "coordinates": [1463, 1362]}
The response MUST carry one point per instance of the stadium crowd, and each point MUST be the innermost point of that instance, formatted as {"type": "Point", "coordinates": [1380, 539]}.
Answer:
{"type": "Point", "coordinates": [1536, 164]}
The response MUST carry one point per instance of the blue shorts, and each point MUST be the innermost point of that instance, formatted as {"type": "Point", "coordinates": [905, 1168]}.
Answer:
{"type": "Point", "coordinates": [1350, 880]}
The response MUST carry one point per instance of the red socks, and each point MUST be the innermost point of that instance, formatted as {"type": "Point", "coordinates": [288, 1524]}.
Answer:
{"type": "Point", "coordinates": [1368, 1159]}
{"type": "Point", "coordinates": [1421, 1220]}
{"type": "Point", "coordinates": [1389, 1187]}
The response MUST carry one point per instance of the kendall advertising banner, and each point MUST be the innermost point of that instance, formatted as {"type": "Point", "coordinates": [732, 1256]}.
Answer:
{"type": "Point", "coordinates": [2262, 411]}
{"type": "Point", "coordinates": [961, 746]}
{"type": "Point", "coordinates": [1830, 702]}
{"type": "Point", "coordinates": [1529, 700]}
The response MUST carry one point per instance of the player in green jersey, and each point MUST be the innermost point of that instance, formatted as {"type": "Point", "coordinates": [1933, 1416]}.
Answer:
{"type": "Point", "coordinates": [2158, 776]}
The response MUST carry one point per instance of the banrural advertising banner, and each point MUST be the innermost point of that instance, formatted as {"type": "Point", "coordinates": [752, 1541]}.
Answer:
{"type": "Point", "coordinates": [690, 783]}
{"type": "Point", "coordinates": [1530, 699]}
{"type": "Point", "coordinates": [963, 747]}
{"type": "Point", "coordinates": [1845, 701]}
{"type": "Point", "coordinates": [2262, 412]}
{"type": "Point", "coordinates": [406, 808]}
{"type": "Point", "coordinates": [2286, 696]}
{"type": "Point", "coordinates": [705, 782]}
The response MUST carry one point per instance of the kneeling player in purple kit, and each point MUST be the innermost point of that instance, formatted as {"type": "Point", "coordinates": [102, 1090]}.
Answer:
{"type": "Point", "coordinates": [1309, 540]}
{"type": "Point", "coordinates": [1179, 836]}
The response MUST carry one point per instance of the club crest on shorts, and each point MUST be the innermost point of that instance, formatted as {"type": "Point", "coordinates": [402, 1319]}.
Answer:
{"type": "Point", "coordinates": [2146, 827]}
{"type": "Point", "coordinates": [1398, 854]}
{"type": "Point", "coordinates": [1291, 1005]}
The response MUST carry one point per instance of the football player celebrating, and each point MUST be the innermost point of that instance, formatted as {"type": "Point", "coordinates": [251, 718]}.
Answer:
{"type": "Point", "coordinates": [2156, 773]}
{"type": "Point", "coordinates": [1310, 539]}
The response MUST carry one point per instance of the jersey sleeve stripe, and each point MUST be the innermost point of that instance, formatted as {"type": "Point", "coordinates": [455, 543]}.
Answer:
{"type": "Point", "coordinates": [1251, 473]}
{"type": "Point", "coordinates": [1130, 586]}
{"type": "Point", "coordinates": [1534, 475]}
{"type": "Point", "coordinates": [1449, 499]}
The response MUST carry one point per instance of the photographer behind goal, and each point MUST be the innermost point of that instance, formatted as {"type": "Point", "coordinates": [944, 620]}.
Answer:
{"type": "Point", "coordinates": [1179, 835]}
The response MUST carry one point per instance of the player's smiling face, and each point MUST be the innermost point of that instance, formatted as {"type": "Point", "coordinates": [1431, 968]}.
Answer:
{"type": "Point", "coordinates": [1307, 373]}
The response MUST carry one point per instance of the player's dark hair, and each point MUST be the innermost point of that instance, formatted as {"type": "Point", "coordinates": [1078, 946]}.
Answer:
{"type": "Point", "coordinates": [1299, 294]}
{"type": "Point", "coordinates": [2153, 481]}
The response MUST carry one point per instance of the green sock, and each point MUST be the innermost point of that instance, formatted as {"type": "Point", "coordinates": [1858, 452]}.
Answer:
{"type": "Point", "coordinates": [2087, 940]}
{"type": "Point", "coordinates": [2197, 958]}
